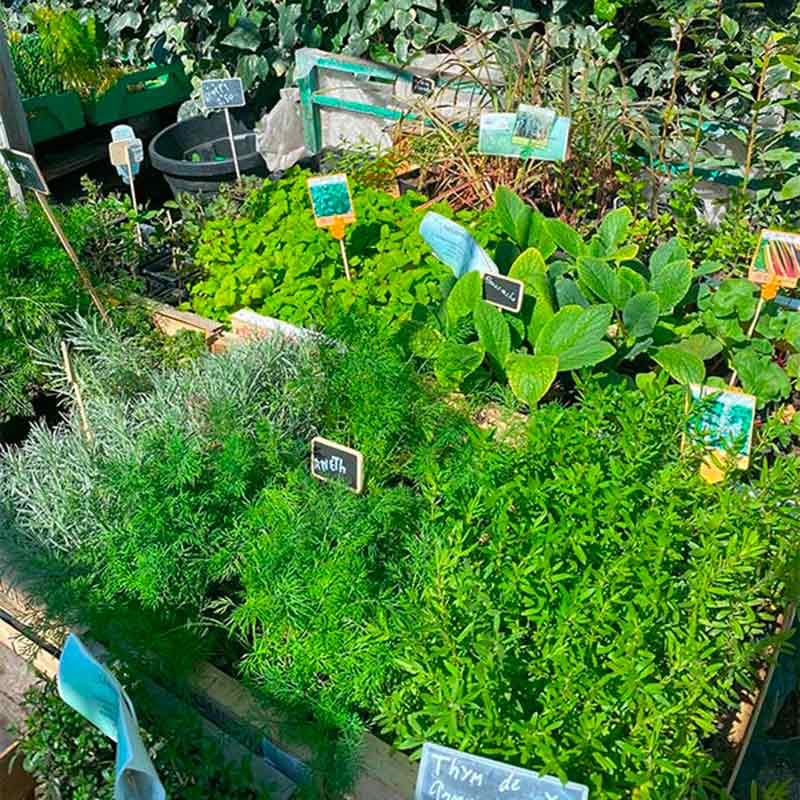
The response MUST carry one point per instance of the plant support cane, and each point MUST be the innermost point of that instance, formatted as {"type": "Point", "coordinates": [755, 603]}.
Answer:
{"type": "Point", "coordinates": [769, 291]}
{"type": "Point", "coordinates": [234, 154]}
{"type": "Point", "coordinates": [76, 390]}
{"type": "Point", "coordinates": [337, 231]}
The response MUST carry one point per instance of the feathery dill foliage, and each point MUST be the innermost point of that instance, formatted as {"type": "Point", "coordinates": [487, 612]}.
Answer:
{"type": "Point", "coordinates": [575, 600]}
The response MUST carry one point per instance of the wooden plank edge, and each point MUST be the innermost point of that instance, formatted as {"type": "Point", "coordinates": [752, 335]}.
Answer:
{"type": "Point", "coordinates": [754, 711]}
{"type": "Point", "coordinates": [265, 777]}
{"type": "Point", "coordinates": [15, 783]}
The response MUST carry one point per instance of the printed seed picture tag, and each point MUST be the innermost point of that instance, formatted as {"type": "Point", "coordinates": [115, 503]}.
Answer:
{"type": "Point", "coordinates": [533, 125]}
{"type": "Point", "coordinates": [446, 774]}
{"type": "Point", "coordinates": [777, 259]}
{"type": "Point", "coordinates": [25, 170]}
{"type": "Point", "coordinates": [331, 200]}
{"type": "Point", "coordinates": [331, 461]}
{"type": "Point", "coordinates": [503, 292]}
{"type": "Point", "coordinates": [222, 93]}
{"type": "Point", "coordinates": [499, 135]}
{"type": "Point", "coordinates": [721, 420]}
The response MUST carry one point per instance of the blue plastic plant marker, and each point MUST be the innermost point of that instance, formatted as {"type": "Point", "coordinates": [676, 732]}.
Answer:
{"type": "Point", "coordinates": [124, 133]}
{"type": "Point", "coordinates": [87, 686]}
{"type": "Point", "coordinates": [453, 245]}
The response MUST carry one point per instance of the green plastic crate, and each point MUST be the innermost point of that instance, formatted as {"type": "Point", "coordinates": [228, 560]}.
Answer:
{"type": "Point", "coordinates": [138, 93]}
{"type": "Point", "coordinates": [53, 115]}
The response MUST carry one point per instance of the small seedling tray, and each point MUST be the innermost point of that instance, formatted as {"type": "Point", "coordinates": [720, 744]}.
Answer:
{"type": "Point", "coordinates": [139, 93]}
{"type": "Point", "coordinates": [53, 115]}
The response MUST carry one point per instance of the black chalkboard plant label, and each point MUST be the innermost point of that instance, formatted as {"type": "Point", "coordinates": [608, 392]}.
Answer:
{"type": "Point", "coordinates": [25, 170]}
{"type": "Point", "coordinates": [331, 461]}
{"type": "Point", "coordinates": [503, 292]}
{"type": "Point", "coordinates": [446, 774]}
{"type": "Point", "coordinates": [222, 93]}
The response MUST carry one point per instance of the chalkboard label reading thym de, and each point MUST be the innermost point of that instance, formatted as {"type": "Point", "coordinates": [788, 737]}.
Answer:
{"type": "Point", "coordinates": [25, 170]}
{"type": "Point", "coordinates": [222, 93]}
{"type": "Point", "coordinates": [503, 292]}
{"type": "Point", "coordinates": [446, 774]}
{"type": "Point", "coordinates": [335, 462]}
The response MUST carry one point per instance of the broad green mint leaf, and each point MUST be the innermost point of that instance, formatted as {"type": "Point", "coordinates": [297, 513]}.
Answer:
{"type": "Point", "coordinates": [614, 229]}
{"type": "Point", "coordinates": [682, 366]}
{"type": "Point", "coordinates": [603, 281]}
{"type": "Point", "coordinates": [671, 282]}
{"type": "Point", "coordinates": [664, 254]}
{"type": "Point", "coordinates": [702, 345]}
{"type": "Point", "coordinates": [493, 332]}
{"type": "Point", "coordinates": [565, 237]}
{"type": "Point", "coordinates": [454, 362]}
{"type": "Point", "coordinates": [531, 376]}
{"type": "Point", "coordinates": [641, 314]}
{"type": "Point", "coordinates": [464, 296]}
{"type": "Point", "coordinates": [528, 264]}
{"type": "Point", "coordinates": [514, 215]}
{"type": "Point", "coordinates": [576, 336]}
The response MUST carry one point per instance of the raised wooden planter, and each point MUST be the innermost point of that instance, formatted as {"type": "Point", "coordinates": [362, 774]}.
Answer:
{"type": "Point", "coordinates": [15, 783]}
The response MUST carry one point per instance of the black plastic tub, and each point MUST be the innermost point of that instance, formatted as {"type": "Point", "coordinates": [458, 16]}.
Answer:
{"type": "Point", "coordinates": [195, 155]}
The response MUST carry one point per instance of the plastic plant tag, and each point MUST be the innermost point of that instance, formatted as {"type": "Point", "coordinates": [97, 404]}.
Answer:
{"type": "Point", "coordinates": [454, 245]}
{"type": "Point", "coordinates": [124, 133]}
{"type": "Point", "coordinates": [445, 773]}
{"type": "Point", "coordinates": [533, 125]}
{"type": "Point", "coordinates": [92, 690]}
{"type": "Point", "coordinates": [776, 259]}
{"type": "Point", "coordinates": [25, 170]}
{"type": "Point", "coordinates": [497, 134]}
{"type": "Point", "coordinates": [331, 201]}
{"type": "Point", "coordinates": [721, 420]}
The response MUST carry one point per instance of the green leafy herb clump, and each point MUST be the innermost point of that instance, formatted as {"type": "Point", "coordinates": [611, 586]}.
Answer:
{"type": "Point", "coordinates": [274, 259]}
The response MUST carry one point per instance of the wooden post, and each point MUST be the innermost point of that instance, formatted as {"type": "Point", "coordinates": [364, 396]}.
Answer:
{"type": "Point", "coordinates": [14, 131]}
{"type": "Point", "coordinates": [73, 257]}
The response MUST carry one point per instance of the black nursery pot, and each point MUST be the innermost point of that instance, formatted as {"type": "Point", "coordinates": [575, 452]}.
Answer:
{"type": "Point", "coordinates": [195, 155]}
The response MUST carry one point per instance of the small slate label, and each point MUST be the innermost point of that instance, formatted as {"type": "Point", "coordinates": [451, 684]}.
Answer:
{"type": "Point", "coordinates": [335, 462]}
{"type": "Point", "coordinates": [446, 774]}
{"type": "Point", "coordinates": [25, 170]}
{"type": "Point", "coordinates": [503, 292]}
{"type": "Point", "coordinates": [222, 93]}
{"type": "Point", "coordinates": [422, 85]}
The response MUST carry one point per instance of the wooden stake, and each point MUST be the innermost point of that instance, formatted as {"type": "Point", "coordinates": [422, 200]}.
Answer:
{"type": "Point", "coordinates": [84, 276]}
{"type": "Point", "coordinates": [76, 390]}
{"type": "Point", "coordinates": [233, 146]}
{"type": "Point", "coordinates": [768, 292]}
{"type": "Point", "coordinates": [344, 259]}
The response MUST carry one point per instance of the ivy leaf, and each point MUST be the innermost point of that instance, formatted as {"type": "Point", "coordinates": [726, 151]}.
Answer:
{"type": "Point", "coordinates": [576, 336]}
{"type": "Point", "coordinates": [681, 365]}
{"type": "Point", "coordinates": [514, 215]}
{"type": "Point", "coordinates": [565, 237]}
{"type": "Point", "coordinates": [494, 333]}
{"type": "Point", "coordinates": [761, 376]}
{"type": "Point", "coordinates": [454, 362]}
{"type": "Point", "coordinates": [729, 25]}
{"type": "Point", "coordinates": [119, 22]}
{"type": "Point", "coordinates": [531, 377]}
{"type": "Point", "coordinates": [641, 314]}
{"type": "Point", "coordinates": [244, 36]}
{"type": "Point", "coordinates": [464, 296]}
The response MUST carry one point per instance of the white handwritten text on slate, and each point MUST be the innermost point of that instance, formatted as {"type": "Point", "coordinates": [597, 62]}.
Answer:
{"type": "Point", "coordinates": [446, 774]}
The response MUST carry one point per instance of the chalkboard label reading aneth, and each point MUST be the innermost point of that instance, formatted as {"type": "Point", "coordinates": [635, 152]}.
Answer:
{"type": "Point", "coordinates": [222, 93]}
{"type": "Point", "coordinates": [25, 170]}
{"type": "Point", "coordinates": [446, 774]}
{"type": "Point", "coordinates": [335, 462]}
{"type": "Point", "coordinates": [503, 292]}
